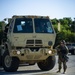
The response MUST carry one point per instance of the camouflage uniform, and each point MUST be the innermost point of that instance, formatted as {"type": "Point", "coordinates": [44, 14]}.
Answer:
{"type": "Point", "coordinates": [62, 51]}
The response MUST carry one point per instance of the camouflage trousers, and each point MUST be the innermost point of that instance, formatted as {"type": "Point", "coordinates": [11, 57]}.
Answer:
{"type": "Point", "coordinates": [62, 62]}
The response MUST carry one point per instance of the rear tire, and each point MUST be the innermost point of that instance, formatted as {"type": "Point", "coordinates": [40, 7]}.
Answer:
{"type": "Point", "coordinates": [10, 64]}
{"type": "Point", "coordinates": [47, 64]}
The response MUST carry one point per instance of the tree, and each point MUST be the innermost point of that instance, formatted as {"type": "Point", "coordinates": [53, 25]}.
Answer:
{"type": "Point", "coordinates": [54, 21]}
{"type": "Point", "coordinates": [73, 26]}
{"type": "Point", "coordinates": [65, 21]}
{"type": "Point", "coordinates": [67, 32]}
{"type": "Point", "coordinates": [2, 24]}
{"type": "Point", "coordinates": [56, 28]}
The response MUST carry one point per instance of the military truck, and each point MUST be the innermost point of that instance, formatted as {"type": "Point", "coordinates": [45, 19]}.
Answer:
{"type": "Point", "coordinates": [30, 39]}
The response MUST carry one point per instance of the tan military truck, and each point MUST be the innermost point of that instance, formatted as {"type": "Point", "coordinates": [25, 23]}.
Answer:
{"type": "Point", "coordinates": [30, 39]}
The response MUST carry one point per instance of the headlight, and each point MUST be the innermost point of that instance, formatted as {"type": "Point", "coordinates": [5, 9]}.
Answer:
{"type": "Point", "coordinates": [18, 52]}
{"type": "Point", "coordinates": [50, 43]}
{"type": "Point", "coordinates": [50, 52]}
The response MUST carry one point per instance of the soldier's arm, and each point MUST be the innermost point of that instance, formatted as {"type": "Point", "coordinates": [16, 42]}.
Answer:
{"type": "Point", "coordinates": [58, 49]}
{"type": "Point", "coordinates": [67, 50]}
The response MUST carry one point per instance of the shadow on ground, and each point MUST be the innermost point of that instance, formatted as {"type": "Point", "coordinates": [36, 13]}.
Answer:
{"type": "Point", "coordinates": [29, 72]}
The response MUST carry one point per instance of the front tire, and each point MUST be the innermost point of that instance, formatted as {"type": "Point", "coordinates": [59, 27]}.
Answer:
{"type": "Point", "coordinates": [47, 64]}
{"type": "Point", "coordinates": [10, 64]}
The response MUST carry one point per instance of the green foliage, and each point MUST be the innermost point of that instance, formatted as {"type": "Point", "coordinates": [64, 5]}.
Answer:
{"type": "Point", "coordinates": [0, 26]}
{"type": "Point", "coordinates": [54, 21]}
{"type": "Point", "coordinates": [56, 28]}
{"type": "Point", "coordinates": [66, 35]}
{"type": "Point", "coordinates": [72, 26]}
{"type": "Point", "coordinates": [67, 31]}
{"type": "Point", "coordinates": [65, 21]}
{"type": "Point", "coordinates": [66, 27]}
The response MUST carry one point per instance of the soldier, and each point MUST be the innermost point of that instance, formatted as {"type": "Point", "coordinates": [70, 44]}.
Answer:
{"type": "Point", "coordinates": [62, 52]}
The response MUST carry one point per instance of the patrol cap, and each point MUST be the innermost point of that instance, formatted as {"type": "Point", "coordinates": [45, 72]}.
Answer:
{"type": "Point", "coordinates": [63, 41]}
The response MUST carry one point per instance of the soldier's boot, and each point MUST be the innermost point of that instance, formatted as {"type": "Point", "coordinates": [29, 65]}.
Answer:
{"type": "Point", "coordinates": [65, 67]}
{"type": "Point", "coordinates": [59, 69]}
{"type": "Point", "coordinates": [64, 71]}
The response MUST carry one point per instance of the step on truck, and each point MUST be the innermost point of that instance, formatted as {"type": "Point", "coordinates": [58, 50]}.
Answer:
{"type": "Point", "coordinates": [30, 39]}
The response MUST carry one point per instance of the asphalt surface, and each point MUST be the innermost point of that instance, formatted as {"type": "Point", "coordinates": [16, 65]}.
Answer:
{"type": "Point", "coordinates": [34, 70]}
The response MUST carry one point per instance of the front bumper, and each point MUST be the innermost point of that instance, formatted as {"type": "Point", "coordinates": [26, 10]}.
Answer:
{"type": "Point", "coordinates": [26, 54]}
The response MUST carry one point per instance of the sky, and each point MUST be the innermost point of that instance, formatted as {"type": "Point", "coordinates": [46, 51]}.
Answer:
{"type": "Point", "coordinates": [52, 8]}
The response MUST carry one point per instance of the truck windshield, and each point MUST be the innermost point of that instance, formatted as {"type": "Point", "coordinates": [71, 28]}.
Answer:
{"type": "Point", "coordinates": [43, 25]}
{"type": "Point", "coordinates": [23, 25]}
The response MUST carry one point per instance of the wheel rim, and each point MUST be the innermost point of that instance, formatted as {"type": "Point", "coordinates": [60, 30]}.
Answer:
{"type": "Point", "coordinates": [7, 61]}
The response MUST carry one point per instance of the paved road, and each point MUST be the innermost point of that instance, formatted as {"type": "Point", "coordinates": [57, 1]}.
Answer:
{"type": "Point", "coordinates": [34, 70]}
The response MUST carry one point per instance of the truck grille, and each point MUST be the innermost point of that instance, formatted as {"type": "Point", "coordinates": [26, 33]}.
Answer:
{"type": "Point", "coordinates": [34, 42]}
{"type": "Point", "coordinates": [30, 42]}
{"type": "Point", "coordinates": [38, 41]}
